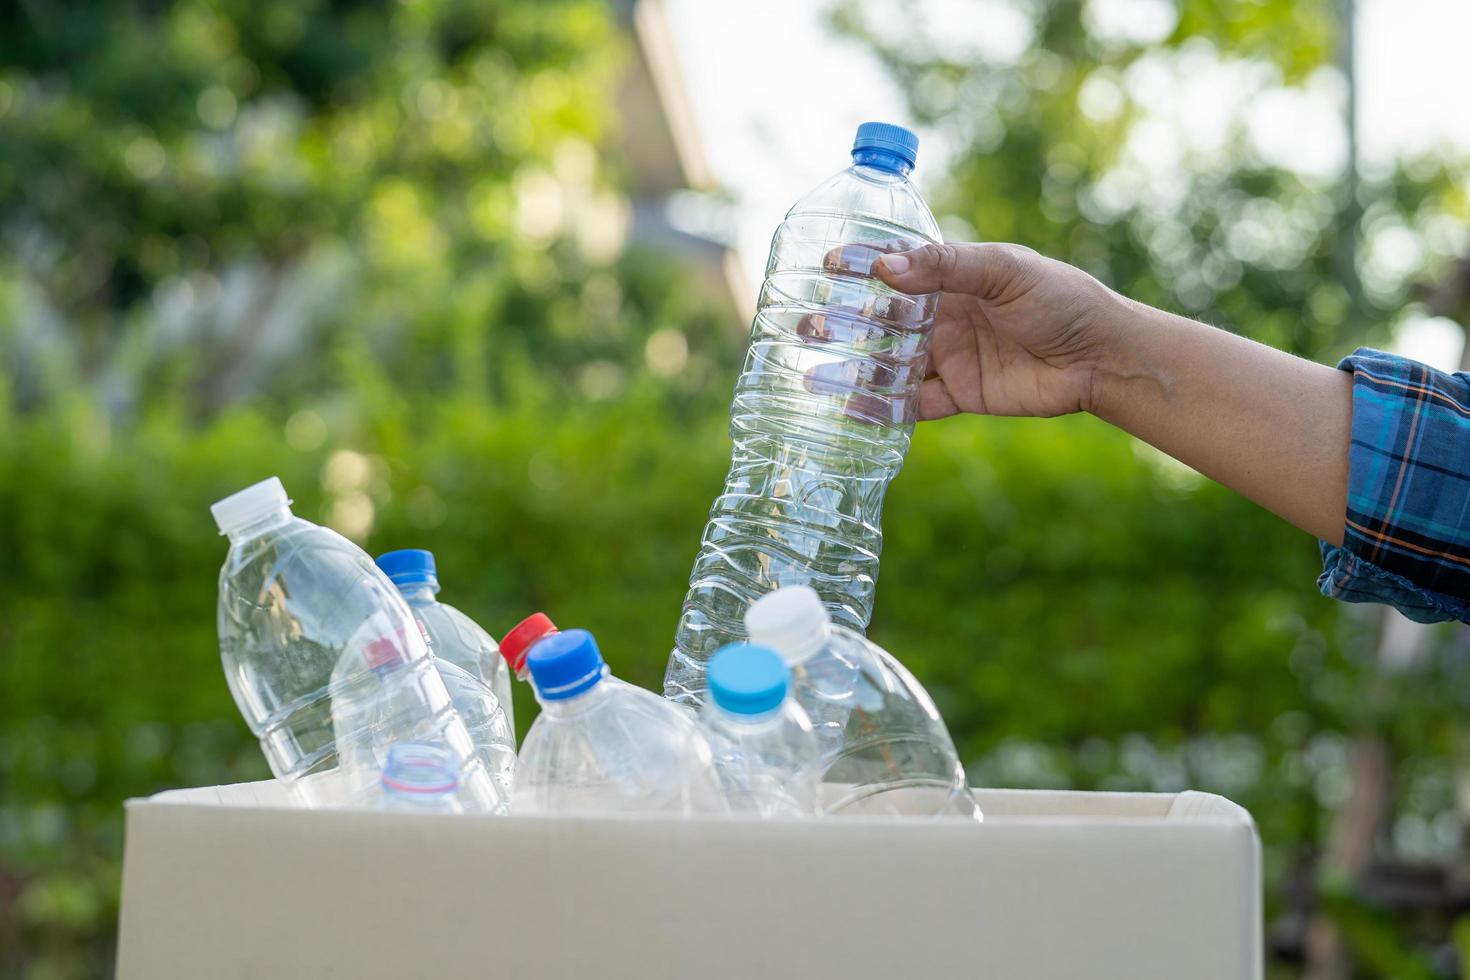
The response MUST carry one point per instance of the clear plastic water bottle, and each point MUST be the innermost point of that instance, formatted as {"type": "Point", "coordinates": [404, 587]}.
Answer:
{"type": "Point", "coordinates": [451, 635]}
{"type": "Point", "coordinates": [823, 409]}
{"type": "Point", "coordinates": [600, 745]}
{"type": "Point", "coordinates": [420, 778]}
{"type": "Point", "coordinates": [521, 638]}
{"type": "Point", "coordinates": [467, 659]}
{"type": "Point", "coordinates": [765, 752]}
{"type": "Point", "coordinates": [296, 602]}
{"type": "Point", "coordinates": [884, 748]}
{"type": "Point", "coordinates": [381, 694]}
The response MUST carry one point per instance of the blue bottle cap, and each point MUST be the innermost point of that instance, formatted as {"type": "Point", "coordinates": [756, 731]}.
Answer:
{"type": "Point", "coordinates": [410, 567]}
{"type": "Point", "coordinates": [889, 139]}
{"type": "Point", "coordinates": [565, 664]}
{"type": "Point", "coordinates": [745, 679]}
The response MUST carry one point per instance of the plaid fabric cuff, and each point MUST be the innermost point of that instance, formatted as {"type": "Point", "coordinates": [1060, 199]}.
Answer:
{"type": "Point", "coordinates": [1350, 579]}
{"type": "Point", "coordinates": [1406, 541]}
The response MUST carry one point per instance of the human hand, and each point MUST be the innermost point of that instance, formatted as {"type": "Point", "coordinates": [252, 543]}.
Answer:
{"type": "Point", "coordinates": [1016, 333]}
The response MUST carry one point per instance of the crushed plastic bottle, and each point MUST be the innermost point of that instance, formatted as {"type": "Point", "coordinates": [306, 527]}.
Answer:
{"type": "Point", "coordinates": [823, 409]}
{"type": "Point", "coordinates": [884, 748]}
{"type": "Point", "coordinates": [467, 659]}
{"type": "Point", "coordinates": [600, 745]}
{"type": "Point", "coordinates": [296, 603]}
{"type": "Point", "coordinates": [765, 752]}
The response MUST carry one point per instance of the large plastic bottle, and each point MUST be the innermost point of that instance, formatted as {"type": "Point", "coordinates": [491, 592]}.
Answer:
{"type": "Point", "coordinates": [823, 409]}
{"type": "Point", "coordinates": [600, 745]}
{"type": "Point", "coordinates": [765, 752]}
{"type": "Point", "coordinates": [467, 659]}
{"type": "Point", "coordinates": [884, 748]}
{"type": "Point", "coordinates": [295, 601]}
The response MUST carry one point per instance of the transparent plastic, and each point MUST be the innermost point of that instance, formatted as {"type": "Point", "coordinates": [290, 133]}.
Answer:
{"type": "Point", "coordinates": [455, 637]}
{"type": "Point", "coordinates": [491, 738]}
{"type": "Point", "coordinates": [615, 748]}
{"type": "Point", "coordinates": [883, 747]}
{"type": "Point", "coordinates": [822, 415]}
{"type": "Point", "coordinates": [421, 779]}
{"type": "Point", "coordinates": [385, 690]}
{"type": "Point", "coordinates": [488, 719]}
{"type": "Point", "coordinates": [476, 677]}
{"type": "Point", "coordinates": [295, 601]}
{"type": "Point", "coordinates": [767, 764]}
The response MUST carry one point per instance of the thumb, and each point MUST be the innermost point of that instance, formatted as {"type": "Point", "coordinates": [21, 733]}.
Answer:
{"type": "Point", "coordinates": [983, 270]}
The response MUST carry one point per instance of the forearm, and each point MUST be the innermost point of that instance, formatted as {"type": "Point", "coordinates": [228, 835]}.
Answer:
{"type": "Point", "coordinates": [1269, 425]}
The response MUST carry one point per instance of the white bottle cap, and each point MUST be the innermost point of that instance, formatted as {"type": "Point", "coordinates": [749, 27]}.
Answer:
{"type": "Point", "coordinates": [792, 621]}
{"type": "Point", "coordinates": [249, 505]}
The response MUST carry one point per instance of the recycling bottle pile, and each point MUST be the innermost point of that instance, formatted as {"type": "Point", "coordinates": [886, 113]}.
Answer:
{"type": "Point", "coordinates": [365, 690]}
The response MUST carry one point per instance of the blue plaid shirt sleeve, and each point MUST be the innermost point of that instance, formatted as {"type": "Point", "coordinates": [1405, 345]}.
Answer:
{"type": "Point", "coordinates": [1406, 541]}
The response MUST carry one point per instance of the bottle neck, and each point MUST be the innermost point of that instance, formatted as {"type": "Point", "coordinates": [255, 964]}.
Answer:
{"type": "Point", "coordinates": [742, 722]}
{"type": "Point", "coordinates": [260, 525]}
{"type": "Point", "coordinates": [418, 594]}
{"type": "Point", "coordinates": [890, 163]}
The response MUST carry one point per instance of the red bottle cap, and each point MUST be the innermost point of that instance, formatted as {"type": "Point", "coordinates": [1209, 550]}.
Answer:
{"type": "Point", "coordinates": [522, 637]}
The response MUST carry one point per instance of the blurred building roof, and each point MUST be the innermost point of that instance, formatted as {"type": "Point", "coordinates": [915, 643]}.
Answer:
{"type": "Point", "coordinates": [666, 159]}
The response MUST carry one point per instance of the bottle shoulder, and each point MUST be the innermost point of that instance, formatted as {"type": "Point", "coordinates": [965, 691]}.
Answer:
{"type": "Point", "coordinates": [617, 709]}
{"type": "Point", "coordinates": [311, 551]}
{"type": "Point", "coordinates": [879, 676]}
{"type": "Point", "coordinates": [295, 532]}
{"type": "Point", "coordinates": [470, 630]}
{"type": "Point", "coordinates": [304, 604]}
{"type": "Point", "coordinates": [629, 702]}
{"type": "Point", "coordinates": [448, 626]}
{"type": "Point", "coordinates": [456, 677]}
{"type": "Point", "coordinates": [886, 198]}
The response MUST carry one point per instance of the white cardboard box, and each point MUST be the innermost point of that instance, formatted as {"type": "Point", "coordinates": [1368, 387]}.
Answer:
{"type": "Point", "coordinates": [225, 883]}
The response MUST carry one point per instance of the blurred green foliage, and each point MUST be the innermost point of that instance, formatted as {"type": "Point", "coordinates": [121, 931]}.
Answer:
{"type": "Point", "coordinates": [1117, 622]}
{"type": "Point", "coordinates": [373, 248]}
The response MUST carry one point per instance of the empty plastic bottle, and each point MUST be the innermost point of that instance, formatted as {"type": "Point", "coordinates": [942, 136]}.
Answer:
{"type": "Point", "coordinates": [521, 638]}
{"type": "Point", "coordinates": [297, 602]}
{"type": "Point", "coordinates": [421, 778]}
{"type": "Point", "coordinates": [884, 748]}
{"type": "Point", "coordinates": [467, 659]}
{"type": "Point", "coordinates": [600, 745]}
{"type": "Point", "coordinates": [823, 409]}
{"type": "Point", "coordinates": [378, 699]}
{"type": "Point", "coordinates": [765, 752]}
{"type": "Point", "coordinates": [451, 635]}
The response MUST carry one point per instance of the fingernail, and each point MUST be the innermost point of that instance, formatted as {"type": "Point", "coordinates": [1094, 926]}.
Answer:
{"type": "Point", "coordinates": [896, 264]}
